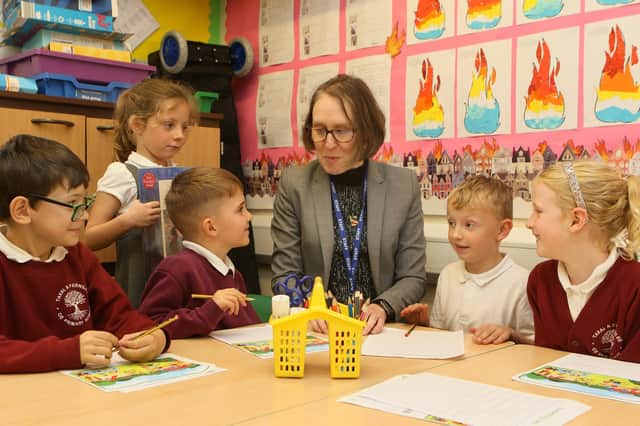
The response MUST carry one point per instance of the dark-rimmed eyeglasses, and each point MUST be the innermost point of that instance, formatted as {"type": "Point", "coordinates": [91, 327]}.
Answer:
{"type": "Point", "coordinates": [319, 134]}
{"type": "Point", "coordinates": [77, 210]}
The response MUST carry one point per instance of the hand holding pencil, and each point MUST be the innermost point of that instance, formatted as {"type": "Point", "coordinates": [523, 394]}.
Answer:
{"type": "Point", "coordinates": [229, 300]}
{"type": "Point", "coordinates": [144, 345]}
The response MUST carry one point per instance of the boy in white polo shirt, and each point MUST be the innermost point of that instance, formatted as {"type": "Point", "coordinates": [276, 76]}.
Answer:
{"type": "Point", "coordinates": [484, 292]}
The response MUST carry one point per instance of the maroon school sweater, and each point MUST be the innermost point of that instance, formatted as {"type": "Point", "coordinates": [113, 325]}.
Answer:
{"type": "Point", "coordinates": [169, 289]}
{"type": "Point", "coordinates": [607, 326]}
{"type": "Point", "coordinates": [44, 307]}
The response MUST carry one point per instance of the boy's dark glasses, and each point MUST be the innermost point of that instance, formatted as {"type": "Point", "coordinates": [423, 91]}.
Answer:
{"type": "Point", "coordinates": [77, 210]}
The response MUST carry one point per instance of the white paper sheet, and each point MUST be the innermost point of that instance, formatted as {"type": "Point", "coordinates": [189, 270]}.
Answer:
{"type": "Point", "coordinates": [368, 23]}
{"type": "Point", "coordinates": [419, 344]}
{"type": "Point", "coordinates": [273, 109]}
{"type": "Point", "coordinates": [444, 399]}
{"type": "Point", "coordinates": [375, 70]}
{"type": "Point", "coordinates": [258, 341]}
{"type": "Point", "coordinates": [319, 28]}
{"type": "Point", "coordinates": [590, 375]}
{"type": "Point", "coordinates": [276, 32]}
{"type": "Point", "coordinates": [135, 18]}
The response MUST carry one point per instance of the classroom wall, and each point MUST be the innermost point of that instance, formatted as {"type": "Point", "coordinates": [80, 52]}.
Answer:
{"type": "Point", "coordinates": [200, 21]}
{"type": "Point", "coordinates": [243, 20]}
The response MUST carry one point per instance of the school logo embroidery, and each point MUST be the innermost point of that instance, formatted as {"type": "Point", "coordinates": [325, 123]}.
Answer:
{"type": "Point", "coordinates": [72, 304]}
{"type": "Point", "coordinates": [604, 339]}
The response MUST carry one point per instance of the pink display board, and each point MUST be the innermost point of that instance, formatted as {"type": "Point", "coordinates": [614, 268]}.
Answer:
{"type": "Point", "coordinates": [610, 141]}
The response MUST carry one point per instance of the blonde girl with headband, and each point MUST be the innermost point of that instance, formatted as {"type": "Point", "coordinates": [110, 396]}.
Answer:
{"type": "Point", "coordinates": [153, 120]}
{"type": "Point", "coordinates": [586, 298]}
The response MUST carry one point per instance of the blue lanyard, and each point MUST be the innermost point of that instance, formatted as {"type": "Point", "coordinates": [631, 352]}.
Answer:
{"type": "Point", "coordinates": [351, 262]}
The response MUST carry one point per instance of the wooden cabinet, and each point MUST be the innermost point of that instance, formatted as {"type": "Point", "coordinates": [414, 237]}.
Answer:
{"type": "Point", "coordinates": [87, 128]}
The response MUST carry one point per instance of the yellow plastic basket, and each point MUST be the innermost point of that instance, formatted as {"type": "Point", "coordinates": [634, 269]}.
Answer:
{"type": "Point", "coordinates": [290, 336]}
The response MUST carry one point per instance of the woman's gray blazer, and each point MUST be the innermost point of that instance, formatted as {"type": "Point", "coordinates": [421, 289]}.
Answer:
{"type": "Point", "coordinates": [302, 229]}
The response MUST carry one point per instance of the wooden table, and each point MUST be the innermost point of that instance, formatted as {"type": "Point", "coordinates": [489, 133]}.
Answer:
{"type": "Point", "coordinates": [493, 368]}
{"type": "Point", "coordinates": [248, 390]}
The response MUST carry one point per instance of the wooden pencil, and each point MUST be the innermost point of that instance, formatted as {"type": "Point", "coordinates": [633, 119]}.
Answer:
{"type": "Point", "coordinates": [410, 330]}
{"type": "Point", "coordinates": [157, 327]}
{"type": "Point", "coordinates": [210, 296]}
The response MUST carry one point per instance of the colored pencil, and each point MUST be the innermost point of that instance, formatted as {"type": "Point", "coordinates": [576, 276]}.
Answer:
{"type": "Point", "coordinates": [410, 330]}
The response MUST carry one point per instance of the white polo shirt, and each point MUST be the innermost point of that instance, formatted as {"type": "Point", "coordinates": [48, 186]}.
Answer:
{"type": "Point", "coordinates": [579, 294]}
{"type": "Point", "coordinates": [119, 182]}
{"type": "Point", "coordinates": [498, 296]}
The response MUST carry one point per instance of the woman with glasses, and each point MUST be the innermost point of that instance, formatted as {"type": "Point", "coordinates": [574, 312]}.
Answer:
{"type": "Point", "coordinates": [353, 221]}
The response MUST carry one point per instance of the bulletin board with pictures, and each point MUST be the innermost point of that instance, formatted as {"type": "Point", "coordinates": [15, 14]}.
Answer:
{"type": "Point", "coordinates": [496, 87]}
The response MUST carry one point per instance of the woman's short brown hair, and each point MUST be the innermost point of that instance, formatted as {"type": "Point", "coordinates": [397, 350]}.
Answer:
{"type": "Point", "coordinates": [367, 119]}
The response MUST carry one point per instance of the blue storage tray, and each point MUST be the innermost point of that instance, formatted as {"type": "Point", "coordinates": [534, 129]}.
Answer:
{"type": "Point", "coordinates": [68, 87]}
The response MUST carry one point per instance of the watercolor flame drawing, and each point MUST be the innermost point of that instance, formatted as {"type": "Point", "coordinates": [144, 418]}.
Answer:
{"type": "Point", "coordinates": [482, 113]}
{"type": "Point", "coordinates": [428, 115]}
{"type": "Point", "coordinates": [545, 108]}
{"type": "Point", "coordinates": [539, 9]}
{"type": "Point", "coordinates": [614, 2]}
{"type": "Point", "coordinates": [483, 14]}
{"type": "Point", "coordinates": [618, 96]}
{"type": "Point", "coordinates": [429, 22]}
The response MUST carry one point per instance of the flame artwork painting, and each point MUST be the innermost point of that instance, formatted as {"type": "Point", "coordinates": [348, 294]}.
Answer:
{"type": "Point", "coordinates": [545, 108]}
{"type": "Point", "coordinates": [483, 14]}
{"type": "Point", "coordinates": [618, 95]}
{"type": "Point", "coordinates": [613, 2]}
{"type": "Point", "coordinates": [482, 113]}
{"type": "Point", "coordinates": [429, 20]}
{"type": "Point", "coordinates": [428, 115]}
{"type": "Point", "coordinates": [539, 9]}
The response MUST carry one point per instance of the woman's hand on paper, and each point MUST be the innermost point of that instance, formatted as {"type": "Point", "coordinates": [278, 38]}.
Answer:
{"type": "Point", "coordinates": [375, 317]}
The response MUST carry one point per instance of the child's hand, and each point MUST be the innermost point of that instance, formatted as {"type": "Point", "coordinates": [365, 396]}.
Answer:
{"type": "Point", "coordinates": [418, 313]}
{"type": "Point", "coordinates": [318, 326]}
{"type": "Point", "coordinates": [96, 348]}
{"type": "Point", "coordinates": [140, 214]}
{"type": "Point", "coordinates": [230, 300]}
{"type": "Point", "coordinates": [144, 348]}
{"type": "Point", "coordinates": [491, 334]}
{"type": "Point", "coordinates": [375, 318]}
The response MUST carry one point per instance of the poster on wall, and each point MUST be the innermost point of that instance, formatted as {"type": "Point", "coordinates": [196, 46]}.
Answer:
{"type": "Point", "coordinates": [368, 22]}
{"type": "Point", "coordinates": [276, 32]}
{"type": "Point", "coordinates": [376, 72]}
{"type": "Point", "coordinates": [319, 28]}
{"type": "Point", "coordinates": [273, 109]}
{"type": "Point", "coordinates": [546, 89]}
{"type": "Point", "coordinates": [483, 15]}
{"type": "Point", "coordinates": [612, 72]}
{"type": "Point", "coordinates": [484, 89]}
{"type": "Point", "coordinates": [429, 20]}
{"type": "Point", "coordinates": [538, 10]}
{"type": "Point", "coordinates": [309, 79]}
{"type": "Point", "coordinates": [607, 4]}
{"type": "Point", "coordinates": [430, 96]}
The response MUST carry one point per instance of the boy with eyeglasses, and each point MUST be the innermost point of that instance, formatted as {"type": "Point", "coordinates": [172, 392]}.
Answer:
{"type": "Point", "coordinates": [59, 309]}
